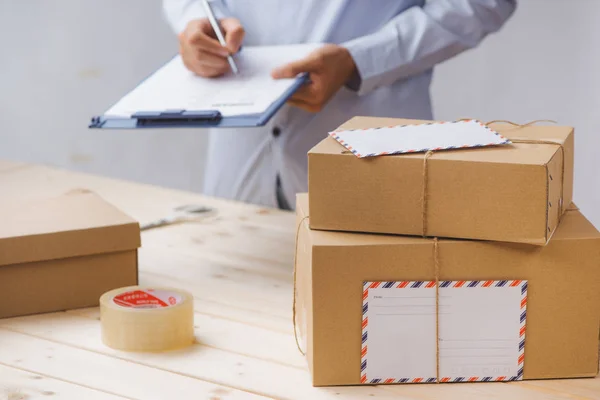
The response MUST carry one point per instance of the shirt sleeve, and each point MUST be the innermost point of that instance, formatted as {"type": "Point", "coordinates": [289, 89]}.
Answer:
{"type": "Point", "coordinates": [179, 12]}
{"type": "Point", "coordinates": [421, 37]}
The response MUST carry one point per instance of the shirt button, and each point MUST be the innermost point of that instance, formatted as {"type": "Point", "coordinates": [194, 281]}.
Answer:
{"type": "Point", "coordinates": [276, 131]}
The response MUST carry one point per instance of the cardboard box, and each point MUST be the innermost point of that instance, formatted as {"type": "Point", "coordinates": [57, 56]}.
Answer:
{"type": "Point", "coordinates": [63, 253]}
{"type": "Point", "coordinates": [507, 193]}
{"type": "Point", "coordinates": [563, 305]}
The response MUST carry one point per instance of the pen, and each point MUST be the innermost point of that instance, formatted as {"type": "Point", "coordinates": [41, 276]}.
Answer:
{"type": "Point", "coordinates": [215, 26]}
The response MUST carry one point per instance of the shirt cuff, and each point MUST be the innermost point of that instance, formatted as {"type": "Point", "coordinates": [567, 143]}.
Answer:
{"type": "Point", "coordinates": [373, 55]}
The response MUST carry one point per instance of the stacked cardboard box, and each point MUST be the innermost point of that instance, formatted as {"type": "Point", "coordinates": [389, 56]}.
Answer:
{"type": "Point", "coordinates": [457, 309]}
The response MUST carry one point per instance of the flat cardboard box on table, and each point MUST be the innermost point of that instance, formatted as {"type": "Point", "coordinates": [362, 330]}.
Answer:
{"type": "Point", "coordinates": [509, 193]}
{"type": "Point", "coordinates": [563, 304]}
{"type": "Point", "coordinates": [62, 253]}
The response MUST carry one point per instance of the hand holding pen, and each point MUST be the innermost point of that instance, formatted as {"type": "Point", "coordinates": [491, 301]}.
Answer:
{"type": "Point", "coordinates": [208, 52]}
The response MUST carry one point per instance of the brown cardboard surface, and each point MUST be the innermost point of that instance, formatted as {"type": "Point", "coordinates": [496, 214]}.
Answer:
{"type": "Point", "coordinates": [563, 307]}
{"type": "Point", "coordinates": [56, 285]}
{"type": "Point", "coordinates": [506, 193]}
{"type": "Point", "coordinates": [63, 252]}
{"type": "Point", "coordinates": [74, 224]}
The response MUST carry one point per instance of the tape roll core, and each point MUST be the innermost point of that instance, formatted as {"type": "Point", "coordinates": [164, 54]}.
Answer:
{"type": "Point", "coordinates": [136, 318]}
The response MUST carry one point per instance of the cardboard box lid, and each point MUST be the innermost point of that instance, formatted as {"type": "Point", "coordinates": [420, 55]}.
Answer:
{"type": "Point", "coordinates": [573, 225]}
{"type": "Point", "coordinates": [77, 223]}
{"type": "Point", "coordinates": [517, 153]}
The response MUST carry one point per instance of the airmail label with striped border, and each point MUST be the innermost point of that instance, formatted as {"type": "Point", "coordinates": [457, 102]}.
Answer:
{"type": "Point", "coordinates": [476, 333]}
{"type": "Point", "coordinates": [418, 138]}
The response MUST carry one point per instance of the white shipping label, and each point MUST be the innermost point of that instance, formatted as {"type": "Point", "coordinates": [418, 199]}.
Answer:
{"type": "Point", "coordinates": [402, 139]}
{"type": "Point", "coordinates": [481, 331]}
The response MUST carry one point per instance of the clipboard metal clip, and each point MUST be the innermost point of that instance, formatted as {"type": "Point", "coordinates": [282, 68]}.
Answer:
{"type": "Point", "coordinates": [167, 118]}
{"type": "Point", "coordinates": [171, 116]}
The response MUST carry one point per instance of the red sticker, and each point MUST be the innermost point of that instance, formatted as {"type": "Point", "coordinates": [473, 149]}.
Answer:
{"type": "Point", "coordinates": [147, 298]}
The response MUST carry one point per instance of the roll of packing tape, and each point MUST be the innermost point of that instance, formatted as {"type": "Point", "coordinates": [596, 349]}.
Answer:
{"type": "Point", "coordinates": [136, 318]}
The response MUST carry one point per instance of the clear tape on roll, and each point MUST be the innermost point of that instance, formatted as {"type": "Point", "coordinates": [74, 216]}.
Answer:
{"type": "Point", "coordinates": [137, 318]}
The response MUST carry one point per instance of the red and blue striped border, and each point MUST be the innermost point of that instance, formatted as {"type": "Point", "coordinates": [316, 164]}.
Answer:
{"type": "Point", "coordinates": [443, 284]}
{"type": "Point", "coordinates": [335, 135]}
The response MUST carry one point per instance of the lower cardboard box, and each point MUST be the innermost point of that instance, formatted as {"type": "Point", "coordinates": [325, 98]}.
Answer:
{"type": "Point", "coordinates": [379, 309]}
{"type": "Point", "coordinates": [64, 252]}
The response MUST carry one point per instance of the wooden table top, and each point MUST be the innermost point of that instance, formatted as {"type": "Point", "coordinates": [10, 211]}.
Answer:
{"type": "Point", "coordinates": [238, 265]}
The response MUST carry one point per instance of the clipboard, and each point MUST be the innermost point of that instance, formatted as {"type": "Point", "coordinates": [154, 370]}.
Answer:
{"type": "Point", "coordinates": [172, 84]}
{"type": "Point", "coordinates": [194, 118]}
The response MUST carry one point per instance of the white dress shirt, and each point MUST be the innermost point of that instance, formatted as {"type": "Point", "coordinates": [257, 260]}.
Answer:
{"type": "Point", "coordinates": [395, 45]}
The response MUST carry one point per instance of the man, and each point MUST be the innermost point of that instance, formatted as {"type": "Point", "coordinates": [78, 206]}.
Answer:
{"type": "Point", "coordinates": [378, 62]}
